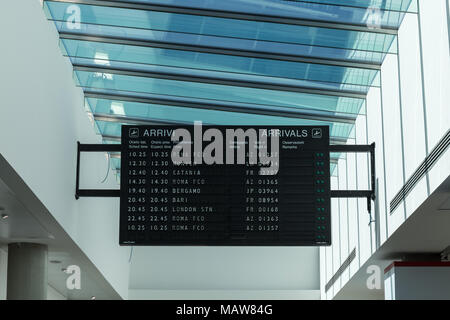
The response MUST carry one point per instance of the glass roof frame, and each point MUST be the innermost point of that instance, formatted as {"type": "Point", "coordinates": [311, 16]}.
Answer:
{"type": "Point", "coordinates": [237, 51]}
{"type": "Point", "coordinates": [99, 15]}
{"type": "Point", "coordinates": [226, 106]}
{"type": "Point", "coordinates": [258, 13]}
{"type": "Point", "coordinates": [292, 61]}
{"type": "Point", "coordinates": [85, 49]}
{"type": "Point", "coordinates": [224, 80]}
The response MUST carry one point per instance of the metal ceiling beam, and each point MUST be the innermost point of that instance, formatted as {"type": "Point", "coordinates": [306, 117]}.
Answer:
{"type": "Point", "coordinates": [235, 15]}
{"type": "Point", "coordinates": [219, 81]}
{"type": "Point", "coordinates": [264, 110]}
{"type": "Point", "coordinates": [223, 51]}
{"type": "Point", "coordinates": [338, 140]}
{"type": "Point", "coordinates": [139, 121]}
{"type": "Point", "coordinates": [112, 138]}
{"type": "Point", "coordinates": [351, 6]}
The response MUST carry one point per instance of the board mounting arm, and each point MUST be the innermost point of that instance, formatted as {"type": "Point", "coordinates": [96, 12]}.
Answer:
{"type": "Point", "coordinates": [369, 194]}
{"type": "Point", "coordinates": [94, 192]}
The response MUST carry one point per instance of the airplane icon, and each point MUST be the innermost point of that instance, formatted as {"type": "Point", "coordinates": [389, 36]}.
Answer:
{"type": "Point", "coordinates": [317, 133]}
{"type": "Point", "coordinates": [134, 133]}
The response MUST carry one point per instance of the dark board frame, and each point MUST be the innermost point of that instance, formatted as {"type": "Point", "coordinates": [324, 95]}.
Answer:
{"type": "Point", "coordinates": [299, 232]}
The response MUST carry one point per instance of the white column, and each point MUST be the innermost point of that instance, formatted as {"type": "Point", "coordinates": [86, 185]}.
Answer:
{"type": "Point", "coordinates": [27, 271]}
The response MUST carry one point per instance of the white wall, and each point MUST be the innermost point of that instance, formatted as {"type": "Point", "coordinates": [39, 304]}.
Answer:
{"type": "Point", "coordinates": [225, 268]}
{"type": "Point", "coordinates": [52, 294]}
{"type": "Point", "coordinates": [419, 283]}
{"type": "Point", "coordinates": [406, 118]}
{"type": "Point", "coordinates": [414, 129]}
{"type": "Point", "coordinates": [41, 117]}
{"type": "Point", "coordinates": [362, 183]}
{"type": "Point", "coordinates": [3, 273]}
{"type": "Point", "coordinates": [436, 62]}
{"type": "Point", "coordinates": [393, 140]}
{"type": "Point", "coordinates": [416, 110]}
{"type": "Point", "coordinates": [343, 218]}
{"type": "Point", "coordinates": [225, 294]}
{"type": "Point", "coordinates": [353, 214]}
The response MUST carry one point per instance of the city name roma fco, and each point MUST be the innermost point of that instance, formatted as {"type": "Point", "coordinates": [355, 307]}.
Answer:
{"type": "Point", "coordinates": [235, 140]}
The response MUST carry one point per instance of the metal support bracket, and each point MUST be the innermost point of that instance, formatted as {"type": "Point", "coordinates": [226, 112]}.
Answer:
{"type": "Point", "coordinates": [369, 194]}
{"type": "Point", "coordinates": [94, 192]}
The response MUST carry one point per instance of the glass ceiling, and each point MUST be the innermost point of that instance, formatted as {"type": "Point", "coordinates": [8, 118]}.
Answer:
{"type": "Point", "coordinates": [249, 62]}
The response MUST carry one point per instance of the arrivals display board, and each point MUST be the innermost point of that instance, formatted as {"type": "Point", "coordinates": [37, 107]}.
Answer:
{"type": "Point", "coordinates": [225, 185]}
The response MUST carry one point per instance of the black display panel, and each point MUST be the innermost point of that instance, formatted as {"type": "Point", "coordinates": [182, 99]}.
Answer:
{"type": "Point", "coordinates": [236, 204]}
